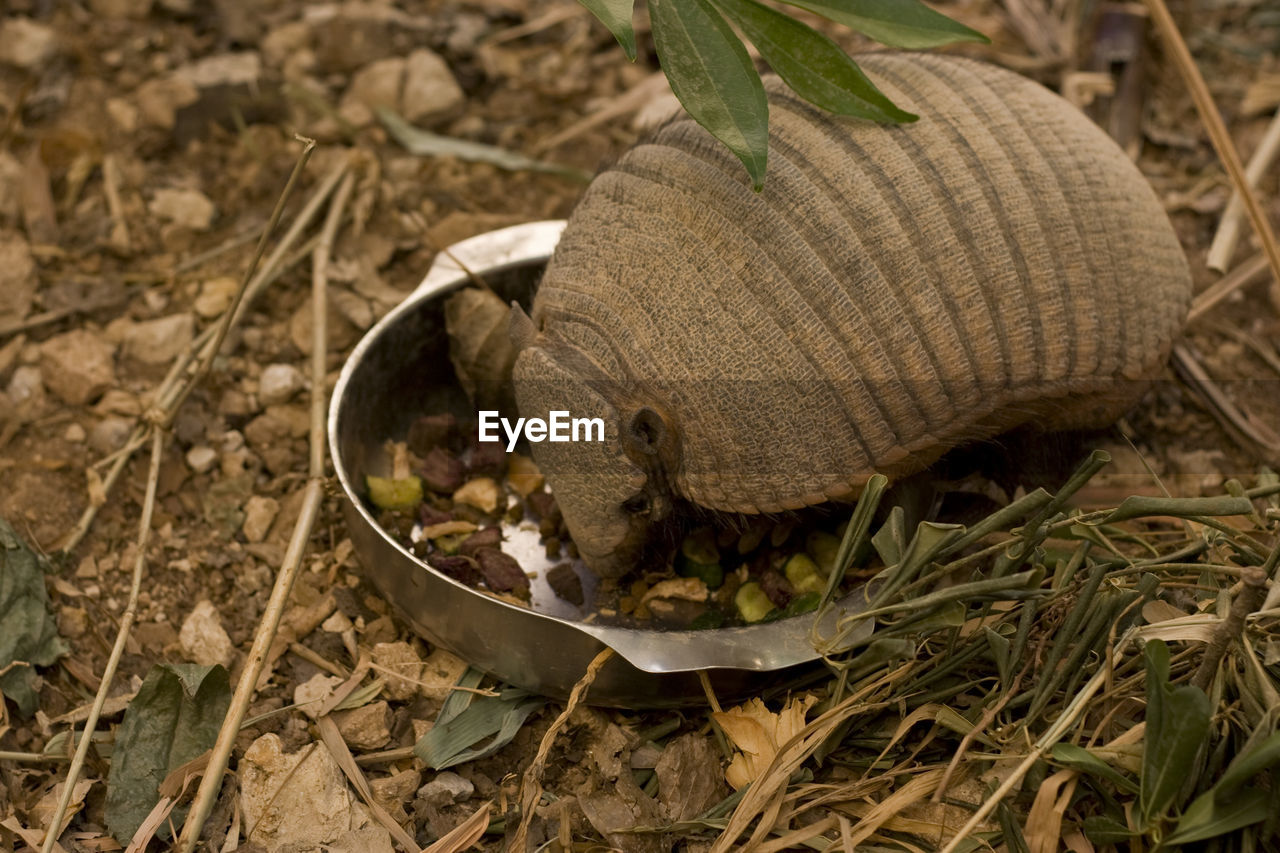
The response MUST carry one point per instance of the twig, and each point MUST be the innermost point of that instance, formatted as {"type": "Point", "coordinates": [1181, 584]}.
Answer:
{"type": "Point", "coordinates": [111, 189]}
{"type": "Point", "coordinates": [1241, 276]}
{"type": "Point", "coordinates": [1065, 721]}
{"type": "Point", "coordinates": [1224, 242]}
{"type": "Point", "coordinates": [31, 757]}
{"type": "Point", "coordinates": [211, 783]}
{"type": "Point", "coordinates": [1253, 587]}
{"type": "Point", "coordinates": [1213, 123]}
{"type": "Point", "coordinates": [531, 785]}
{"type": "Point", "coordinates": [117, 650]}
{"type": "Point", "coordinates": [170, 391]}
{"type": "Point", "coordinates": [233, 310]}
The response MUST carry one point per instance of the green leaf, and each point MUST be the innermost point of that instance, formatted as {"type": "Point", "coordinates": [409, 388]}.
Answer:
{"type": "Point", "coordinates": [713, 77]}
{"type": "Point", "coordinates": [174, 718]}
{"type": "Point", "coordinates": [897, 23]}
{"type": "Point", "coordinates": [812, 64]}
{"type": "Point", "coordinates": [28, 634]}
{"type": "Point", "coordinates": [454, 740]}
{"type": "Point", "coordinates": [1208, 817]}
{"type": "Point", "coordinates": [1177, 723]}
{"type": "Point", "coordinates": [616, 15]}
{"type": "Point", "coordinates": [1248, 763]}
{"type": "Point", "coordinates": [1079, 758]}
{"type": "Point", "coordinates": [1142, 506]}
{"type": "Point", "coordinates": [1106, 830]}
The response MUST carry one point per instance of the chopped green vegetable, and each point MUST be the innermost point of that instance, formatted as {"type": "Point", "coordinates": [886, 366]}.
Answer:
{"type": "Point", "coordinates": [802, 573]}
{"type": "Point", "coordinates": [386, 493]}
{"type": "Point", "coordinates": [700, 547]}
{"type": "Point", "coordinates": [709, 573]}
{"type": "Point", "coordinates": [823, 547]}
{"type": "Point", "coordinates": [752, 603]}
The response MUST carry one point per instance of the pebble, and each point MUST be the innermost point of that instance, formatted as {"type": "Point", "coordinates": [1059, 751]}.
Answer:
{"type": "Point", "coordinates": [445, 789]}
{"type": "Point", "coordinates": [308, 694]}
{"type": "Point", "coordinates": [202, 638]}
{"type": "Point", "coordinates": [73, 622]}
{"type": "Point", "coordinates": [110, 434]}
{"type": "Point", "coordinates": [278, 383]}
{"type": "Point", "coordinates": [403, 669]}
{"type": "Point", "coordinates": [75, 434]}
{"type": "Point", "coordinates": [159, 341]}
{"type": "Point", "coordinates": [222, 69]}
{"type": "Point", "coordinates": [215, 296]}
{"type": "Point", "coordinates": [187, 208]}
{"type": "Point", "coordinates": [77, 366]}
{"type": "Point", "coordinates": [259, 513]}
{"type": "Point", "coordinates": [201, 458]}
{"type": "Point", "coordinates": [431, 93]}
{"type": "Point", "coordinates": [158, 101]}
{"type": "Point", "coordinates": [297, 799]}
{"type": "Point", "coordinates": [26, 44]}
{"type": "Point", "coordinates": [365, 727]}
{"type": "Point", "coordinates": [18, 278]}
{"type": "Point", "coordinates": [378, 84]}
{"type": "Point", "coordinates": [26, 386]}
{"type": "Point", "coordinates": [285, 41]}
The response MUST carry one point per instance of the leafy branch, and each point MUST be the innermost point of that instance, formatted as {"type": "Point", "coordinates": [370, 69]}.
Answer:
{"type": "Point", "coordinates": [710, 72]}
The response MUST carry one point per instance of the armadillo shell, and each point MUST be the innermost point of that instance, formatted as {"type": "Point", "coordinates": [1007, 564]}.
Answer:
{"type": "Point", "coordinates": [893, 292]}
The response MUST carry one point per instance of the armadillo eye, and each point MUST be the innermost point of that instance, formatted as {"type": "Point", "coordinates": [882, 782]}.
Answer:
{"type": "Point", "coordinates": [636, 504]}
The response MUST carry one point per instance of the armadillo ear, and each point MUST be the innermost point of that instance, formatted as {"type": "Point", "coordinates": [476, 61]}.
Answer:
{"type": "Point", "coordinates": [646, 431]}
{"type": "Point", "coordinates": [521, 328]}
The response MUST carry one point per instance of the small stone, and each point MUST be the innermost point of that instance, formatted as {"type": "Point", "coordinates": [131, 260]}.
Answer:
{"type": "Point", "coordinates": [307, 696]}
{"type": "Point", "coordinates": [75, 434]}
{"type": "Point", "coordinates": [118, 402]}
{"type": "Point", "coordinates": [202, 638]}
{"type": "Point", "coordinates": [278, 383]}
{"type": "Point", "coordinates": [222, 69]}
{"type": "Point", "coordinates": [431, 93]}
{"type": "Point", "coordinates": [158, 101]}
{"type": "Point", "coordinates": [259, 512]}
{"type": "Point", "coordinates": [392, 791]}
{"type": "Point", "coordinates": [201, 458]}
{"type": "Point", "coordinates": [26, 386]}
{"type": "Point", "coordinates": [365, 727]}
{"type": "Point", "coordinates": [187, 208]}
{"type": "Point", "coordinates": [441, 671]}
{"type": "Point", "coordinates": [279, 45]}
{"type": "Point", "coordinates": [378, 84]}
{"type": "Point", "coordinates": [297, 799]}
{"type": "Point", "coordinates": [159, 341]}
{"type": "Point", "coordinates": [73, 622]}
{"type": "Point", "coordinates": [446, 789]}
{"type": "Point", "coordinates": [77, 366]}
{"type": "Point", "coordinates": [215, 296]}
{"type": "Point", "coordinates": [123, 113]}
{"type": "Point", "coordinates": [110, 434]}
{"type": "Point", "coordinates": [401, 667]}
{"type": "Point", "coordinates": [26, 44]}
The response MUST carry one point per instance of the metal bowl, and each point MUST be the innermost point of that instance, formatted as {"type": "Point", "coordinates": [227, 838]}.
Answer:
{"type": "Point", "coordinates": [401, 370]}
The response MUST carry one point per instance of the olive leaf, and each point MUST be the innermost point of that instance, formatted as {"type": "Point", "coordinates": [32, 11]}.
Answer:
{"type": "Point", "coordinates": [616, 15]}
{"type": "Point", "coordinates": [897, 23]}
{"type": "Point", "coordinates": [1177, 724]}
{"type": "Point", "coordinates": [1225, 807]}
{"type": "Point", "coordinates": [713, 77]}
{"type": "Point", "coordinates": [28, 634]}
{"type": "Point", "coordinates": [1079, 758]}
{"type": "Point", "coordinates": [174, 718]}
{"type": "Point", "coordinates": [811, 64]}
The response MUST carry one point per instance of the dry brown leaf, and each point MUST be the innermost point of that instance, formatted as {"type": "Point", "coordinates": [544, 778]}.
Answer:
{"type": "Point", "coordinates": [757, 733]}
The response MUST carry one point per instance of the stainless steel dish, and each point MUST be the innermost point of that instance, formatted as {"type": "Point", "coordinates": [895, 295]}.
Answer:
{"type": "Point", "coordinates": [400, 370]}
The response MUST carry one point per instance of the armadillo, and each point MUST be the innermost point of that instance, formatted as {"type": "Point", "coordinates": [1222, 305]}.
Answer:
{"type": "Point", "coordinates": [893, 292]}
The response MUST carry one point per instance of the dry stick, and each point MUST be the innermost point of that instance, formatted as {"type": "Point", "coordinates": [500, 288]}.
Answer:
{"type": "Point", "coordinates": [1241, 276]}
{"type": "Point", "coordinates": [211, 783]}
{"type": "Point", "coordinates": [1224, 242]}
{"type": "Point", "coordinates": [531, 785]}
{"type": "Point", "coordinates": [1213, 123]}
{"type": "Point", "coordinates": [166, 393]}
{"type": "Point", "coordinates": [1060, 726]}
{"type": "Point", "coordinates": [232, 313]}
{"type": "Point", "coordinates": [1248, 599]}
{"type": "Point", "coordinates": [117, 650]}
